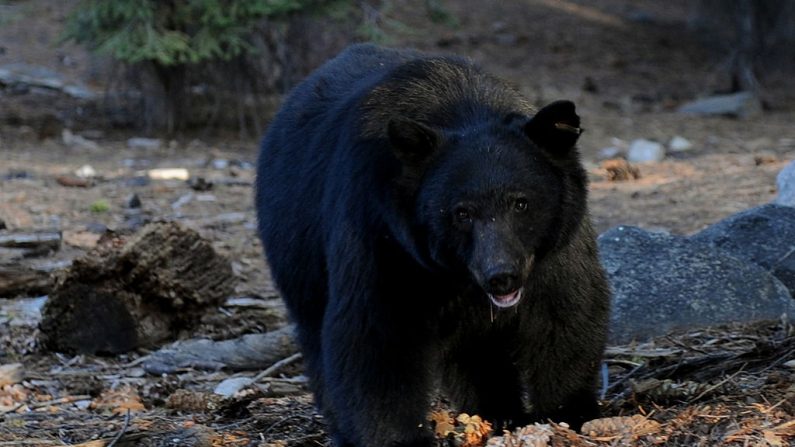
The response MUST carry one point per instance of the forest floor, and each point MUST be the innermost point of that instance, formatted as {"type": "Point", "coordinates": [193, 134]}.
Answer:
{"type": "Point", "coordinates": [627, 65]}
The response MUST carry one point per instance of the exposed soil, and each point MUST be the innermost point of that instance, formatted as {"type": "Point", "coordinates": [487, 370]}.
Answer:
{"type": "Point", "coordinates": [627, 64]}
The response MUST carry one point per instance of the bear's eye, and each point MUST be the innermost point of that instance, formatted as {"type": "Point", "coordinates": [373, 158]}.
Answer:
{"type": "Point", "coordinates": [520, 205]}
{"type": "Point", "coordinates": [462, 215]}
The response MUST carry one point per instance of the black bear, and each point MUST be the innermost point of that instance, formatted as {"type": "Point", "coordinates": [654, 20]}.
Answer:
{"type": "Point", "coordinates": [428, 230]}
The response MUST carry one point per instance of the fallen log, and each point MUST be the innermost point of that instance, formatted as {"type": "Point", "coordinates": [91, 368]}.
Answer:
{"type": "Point", "coordinates": [249, 352]}
{"type": "Point", "coordinates": [31, 239]}
{"type": "Point", "coordinates": [16, 245]}
{"type": "Point", "coordinates": [18, 281]}
{"type": "Point", "coordinates": [135, 293]}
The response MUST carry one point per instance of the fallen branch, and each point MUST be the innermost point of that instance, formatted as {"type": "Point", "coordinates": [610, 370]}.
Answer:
{"type": "Point", "coordinates": [717, 385]}
{"type": "Point", "coordinates": [276, 367]}
{"type": "Point", "coordinates": [122, 431]}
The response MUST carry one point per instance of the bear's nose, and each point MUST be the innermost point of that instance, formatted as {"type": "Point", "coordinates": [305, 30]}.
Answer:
{"type": "Point", "coordinates": [502, 280]}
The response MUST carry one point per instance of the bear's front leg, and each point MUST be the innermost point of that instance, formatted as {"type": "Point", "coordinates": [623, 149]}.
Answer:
{"type": "Point", "coordinates": [377, 377]}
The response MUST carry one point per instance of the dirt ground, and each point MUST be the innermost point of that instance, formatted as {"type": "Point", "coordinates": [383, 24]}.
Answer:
{"type": "Point", "coordinates": [627, 65]}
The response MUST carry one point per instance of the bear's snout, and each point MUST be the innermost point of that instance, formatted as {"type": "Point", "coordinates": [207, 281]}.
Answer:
{"type": "Point", "coordinates": [502, 280]}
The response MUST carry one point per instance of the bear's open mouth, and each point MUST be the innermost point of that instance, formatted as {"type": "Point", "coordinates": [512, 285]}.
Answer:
{"type": "Point", "coordinates": [506, 300]}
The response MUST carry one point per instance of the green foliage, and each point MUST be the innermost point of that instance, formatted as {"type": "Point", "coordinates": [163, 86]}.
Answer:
{"type": "Point", "coordinates": [100, 206]}
{"type": "Point", "coordinates": [173, 32]}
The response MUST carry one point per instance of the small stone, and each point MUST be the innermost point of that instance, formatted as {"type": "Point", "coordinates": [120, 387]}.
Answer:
{"type": "Point", "coordinates": [645, 151]}
{"type": "Point", "coordinates": [73, 140]}
{"type": "Point", "coordinates": [200, 184]}
{"type": "Point", "coordinates": [608, 153]}
{"type": "Point", "coordinates": [232, 385]}
{"type": "Point", "coordinates": [17, 174]}
{"type": "Point", "coordinates": [139, 180]}
{"type": "Point", "coordinates": [679, 144]}
{"type": "Point", "coordinates": [96, 228]}
{"type": "Point", "coordinates": [220, 164]}
{"type": "Point", "coordinates": [144, 143]}
{"type": "Point", "coordinates": [790, 364]}
{"type": "Point", "coordinates": [86, 171]}
{"type": "Point", "coordinates": [83, 404]}
{"type": "Point", "coordinates": [241, 164]}
{"type": "Point", "coordinates": [133, 202]}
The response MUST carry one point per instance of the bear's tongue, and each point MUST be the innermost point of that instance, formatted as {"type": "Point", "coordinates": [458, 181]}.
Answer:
{"type": "Point", "coordinates": [507, 300]}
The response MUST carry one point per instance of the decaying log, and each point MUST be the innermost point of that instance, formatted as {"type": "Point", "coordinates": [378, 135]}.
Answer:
{"type": "Point", "coordinates": [249, 352]}
{"type": "Point", "coordinates": [15, 245]}
{"type": "Point", "coordinates": [17, 281]}
{"type": "Point", "coordinates": [135, 293]}
{"type": "Point", "coordinates": [31, 239]}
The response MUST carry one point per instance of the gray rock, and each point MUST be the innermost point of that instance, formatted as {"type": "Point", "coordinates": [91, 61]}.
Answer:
{"type": "Point", "coordinates": [663, 283]}
{"type": "Point", "coordinates": [144, 143]}
{"type": "Point", "coordinates": [228, 387]}
{"type": "Point", "coordinates": [645, 151]}
{"type": "Point", "coordinates": [739, 105]}
{"type": "Point", "coordinates": [679, 144]}
{"type": "Point", "coordinates": [785, 182]}
{"type": "Point", "coordinates": [139, 180]}
{"type": "Point", "coordinates": [73, 140]}
{"type": "Point", "coordinates": [764, 235]}
{"type": "Point", "coordinates": [220, 163]}
{"type": "Point", "coordinates": [609, 152]}
{"type": "Point", "coordinates": [132, 202]}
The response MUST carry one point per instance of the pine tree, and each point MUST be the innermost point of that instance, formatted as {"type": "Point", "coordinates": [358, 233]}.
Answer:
{"type": "Point", "coordinates": [167, 37]}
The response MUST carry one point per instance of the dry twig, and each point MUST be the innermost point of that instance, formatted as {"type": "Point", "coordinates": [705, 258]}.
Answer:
{"type": "Point", "coordinates": [122, 431]}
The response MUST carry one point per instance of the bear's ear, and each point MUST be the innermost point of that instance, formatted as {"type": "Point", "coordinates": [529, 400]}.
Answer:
{"type": "Point", "coordinates": [412, 141]}
{"type": "Point", "coordinates": [555, 127]}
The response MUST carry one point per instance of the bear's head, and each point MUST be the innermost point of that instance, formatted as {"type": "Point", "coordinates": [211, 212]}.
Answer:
{"type": "Point", "coordinates": [493, 198]}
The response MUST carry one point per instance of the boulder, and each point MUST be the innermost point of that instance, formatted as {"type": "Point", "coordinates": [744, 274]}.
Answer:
{"type": "Point", "coordinates": [785, 182]}
{"type": "Point", "coordinates": [663, 283]}
{"type": "Point", "coordinates": [763, 235]}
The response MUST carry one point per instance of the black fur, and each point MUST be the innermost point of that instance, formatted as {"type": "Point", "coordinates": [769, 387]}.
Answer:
{"type": "Point", "coordinates": [400, 198]}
